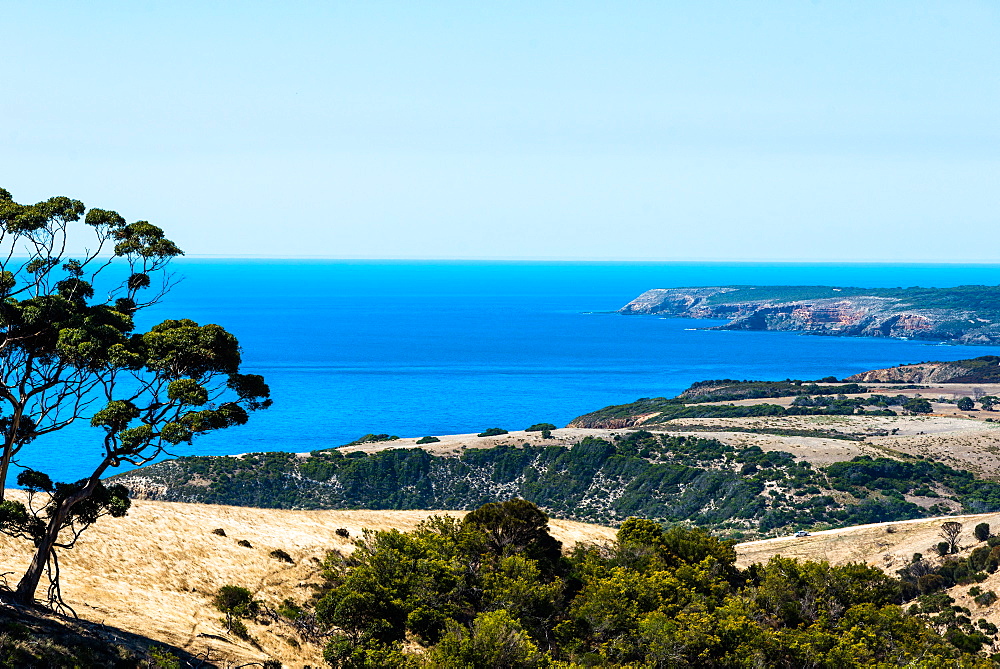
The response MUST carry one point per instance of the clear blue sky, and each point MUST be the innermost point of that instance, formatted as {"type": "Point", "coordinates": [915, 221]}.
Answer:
{"type": "Point", "coordinates": [578, 130]}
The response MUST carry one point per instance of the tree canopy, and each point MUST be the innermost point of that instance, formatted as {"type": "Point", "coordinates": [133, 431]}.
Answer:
{"type": "Point", "coordinates": [70, 351]}
{"type": "Point", "coordinates": [655, 598]}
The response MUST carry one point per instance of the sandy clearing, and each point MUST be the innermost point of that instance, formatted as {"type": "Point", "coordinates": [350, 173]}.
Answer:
{"type": "Point", "coordinates": [453, 444]}
{"type": "Point", "coordinates": [154, 571]}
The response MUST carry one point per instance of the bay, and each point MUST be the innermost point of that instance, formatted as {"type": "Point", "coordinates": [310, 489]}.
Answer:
{"type": "Point", "coordinates": [415, 348]}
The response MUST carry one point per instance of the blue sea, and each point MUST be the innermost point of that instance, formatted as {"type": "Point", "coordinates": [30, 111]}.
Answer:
{"type": "Point", "coordinates": [418, 348]}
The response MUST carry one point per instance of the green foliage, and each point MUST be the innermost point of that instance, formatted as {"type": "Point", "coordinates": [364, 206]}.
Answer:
{"type": "Point", "coordinates": [163, 659]}
{"type": "Point", "coordinates": [722, 390]}
{"type": "Point", "coordinates": [494, 639]}
{"type": "Point", "coordinates": [492, 432]}
{"type": "Point", "coordinates": [982, 531]}
{"type": "Point", "coordinates": [235, 600]}
{"type": "Point", "coordinates": [657, 597]}
{"type": "Point", "coordinates": [917, 405]}
{"type": "Point", "coordinates": [539, 427]}
{"type": "Point", "coordinates": [65, 347]}
{"type": "Point", "coordinates": [516, 527]}
{"type": "Point", "coordinates": [427, 440]}
{"type": "Point", "coordinates": [965, 404]}
{"type": "Point", "coordinates": [665, 478]}
{"type": "Point", "coordinates": [372, 439]}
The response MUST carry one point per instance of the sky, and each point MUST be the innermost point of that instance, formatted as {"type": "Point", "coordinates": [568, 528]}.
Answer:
{"type": "Point", "coordinates": [761, 131]}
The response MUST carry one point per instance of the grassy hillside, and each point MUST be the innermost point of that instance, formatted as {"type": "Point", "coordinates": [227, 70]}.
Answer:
{"type": "Point", "coordinates": [155, 571]}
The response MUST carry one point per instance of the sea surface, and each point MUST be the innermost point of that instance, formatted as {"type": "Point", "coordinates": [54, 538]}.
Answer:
{"type": "Point", "coordinates": [424, 348]}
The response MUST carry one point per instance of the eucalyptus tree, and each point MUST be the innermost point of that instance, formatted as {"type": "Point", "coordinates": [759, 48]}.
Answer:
{"type": "Point", "coordinates": [67, 354]}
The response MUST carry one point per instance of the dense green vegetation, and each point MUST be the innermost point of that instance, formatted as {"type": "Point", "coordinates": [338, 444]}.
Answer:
{"type": "Point", "coordinates": [723, 390]}
{"type": "Point", "coordinates": [982, 299]}
{"type": "Point", "coordinates": [741, 491]}
{"type": "Point", "coordinates": [493, 590]}
{"type": "Point", "coordinates": [651, 411]}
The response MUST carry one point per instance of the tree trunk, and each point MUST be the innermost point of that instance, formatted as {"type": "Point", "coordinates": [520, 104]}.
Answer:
{"type": "Point", "coordinates": [25, 593]}
{"type": "Point", "coordinates": [4, 466]}
{"type": "Point", "coordinates": [8, 450]}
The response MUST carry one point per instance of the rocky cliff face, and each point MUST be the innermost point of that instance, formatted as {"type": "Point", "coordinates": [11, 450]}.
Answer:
{"type": "Point", "coordinates": [856, 315]}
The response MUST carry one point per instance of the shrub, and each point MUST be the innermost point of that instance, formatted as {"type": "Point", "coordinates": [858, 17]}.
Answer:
{"type": "Point", "coordinates": [982, 531]}
{"type": "Point", "coordinates": [161, 658]}
{"type": "Point", "coordinates": [221, 532]}
{"type": "Point", "coordinates": [538, 427]}
{"type": "Point", "coordinates": [236, 602]}
{"type": "Point", "coordinates": [279, 554]}
{"type": "Point", "coordinates": [492, 432]}
{"type": "Point", "coordinates": [427, 440]}
{"type": "Point", "coordinates": [372, 438]}
{"type": "Point", "coordinates": [917, 405]}
{"type": "Point", "coordinates": [342, 532]}
{"type": "Point", "coordinates": [238, 628]}
{"type": "Point", "coordinates": [943, 548]}
{"type": "Point", "coordinates": [244, 543]}
{"type": "Point", "coordinates": [986, 598]}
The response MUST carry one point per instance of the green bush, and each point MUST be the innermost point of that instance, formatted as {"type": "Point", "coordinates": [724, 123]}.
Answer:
{"type": "Point", "coordinates": [427, 440]}
{"type": "Point", "coordinates": [492, 432]}
{"type": "Point", "coordinates": [372, 438]}
{"type": "Point", "coordinates": [236, 602]}
{"type": "Point", "coordinates": [982, 531]}
{"type": "Point", "coordinates": [538, 427]}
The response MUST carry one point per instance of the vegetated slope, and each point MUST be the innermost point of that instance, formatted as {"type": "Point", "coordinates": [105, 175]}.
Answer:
{"type": "Point", "coordinates": [967, 314]}
{"type": "Point", "coordinates": [984, 369]}
{"type": "Point", "coordinates": [480, 594]}
{"type": "Point", "coordinates": [956, 588]}
{"type": "Point", "coordinates": [811, 399]}
{"type": "Point", "coordinates": [156, 570]}
{"type": "Point", "coordinates": [739, 490]}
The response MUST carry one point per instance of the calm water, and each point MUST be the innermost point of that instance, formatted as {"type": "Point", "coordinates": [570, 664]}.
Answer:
{"type": "Point", "coordinates": [415, 348]}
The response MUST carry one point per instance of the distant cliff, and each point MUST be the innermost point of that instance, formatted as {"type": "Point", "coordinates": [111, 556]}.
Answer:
{"type": "Point", "coordinates": [985, 369]}
{"type": "Point", "coordinates": [964, 314]}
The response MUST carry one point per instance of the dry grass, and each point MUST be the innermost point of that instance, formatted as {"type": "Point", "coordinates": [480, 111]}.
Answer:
{"type": "Point", "coordinates": [888, 546]}
{"type": "Point", "coordinates": [154, 571]}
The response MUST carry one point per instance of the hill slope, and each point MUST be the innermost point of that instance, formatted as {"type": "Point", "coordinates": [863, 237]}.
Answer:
{"type": "Point", "coordinates": [156, 570]}
{"type": "Point", "coordinates": [890, 547]}
{"type": "Point", "coordinates": [984, 369]}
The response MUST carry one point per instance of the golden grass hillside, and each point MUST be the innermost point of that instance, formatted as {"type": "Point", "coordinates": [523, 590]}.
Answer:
{"type": "Point", "coordinates": [889, 546]}
{"type": "Point", "coordinates": [155, 571]}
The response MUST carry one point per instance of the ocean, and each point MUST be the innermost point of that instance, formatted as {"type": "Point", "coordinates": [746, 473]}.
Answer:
{"type": "Point", "coordinates": [423, 348]}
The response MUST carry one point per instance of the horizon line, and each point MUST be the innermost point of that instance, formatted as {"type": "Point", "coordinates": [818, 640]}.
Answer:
{"type": "Point", "coordinates": [523, 259]}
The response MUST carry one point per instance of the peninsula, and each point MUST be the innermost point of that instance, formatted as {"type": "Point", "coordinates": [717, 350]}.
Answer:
{"type": "Point", "coordinates": [963, 314]}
